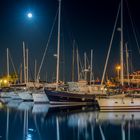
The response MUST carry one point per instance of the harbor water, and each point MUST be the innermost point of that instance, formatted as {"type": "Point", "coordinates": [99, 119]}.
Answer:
{"type": "Point", "coordinates": [29, 121]}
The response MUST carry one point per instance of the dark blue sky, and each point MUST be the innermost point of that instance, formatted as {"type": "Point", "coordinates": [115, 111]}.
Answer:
{"type": "Point", "coordinates": [89, 23]}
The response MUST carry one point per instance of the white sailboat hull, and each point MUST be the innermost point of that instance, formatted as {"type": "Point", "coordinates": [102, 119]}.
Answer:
{"type": "Point", "coordinates": [12, 95]}
{"type": "Point", "coordinates": [25, 96]}
{"type": "Point", "coordinates": [119, 104]}
{"type": "Point", "coordinates": [40, 97]}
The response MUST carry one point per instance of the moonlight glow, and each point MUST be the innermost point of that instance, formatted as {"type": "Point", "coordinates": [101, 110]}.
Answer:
{"type": "Point", "coordinates": [29, 15]}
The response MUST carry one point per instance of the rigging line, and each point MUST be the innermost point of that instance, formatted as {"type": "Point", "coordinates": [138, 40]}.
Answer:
{"type": "Point", "coordinates": [132, 23]}
{"type": "Point", "coordinates": [12, 63]}
{"type": "Point", "coordinates": [110, 45]}
{"type": "Point", "coordinates": [80, 63]}
{"type": "Point", "coordinates": [47, 45]}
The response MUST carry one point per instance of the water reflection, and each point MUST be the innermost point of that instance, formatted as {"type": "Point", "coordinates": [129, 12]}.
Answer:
{"type": "Point", "coordinates": [29, 121]}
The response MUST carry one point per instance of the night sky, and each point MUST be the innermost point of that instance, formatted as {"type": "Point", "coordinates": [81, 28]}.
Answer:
{"type": "Point", "coordinates": [88, 22]}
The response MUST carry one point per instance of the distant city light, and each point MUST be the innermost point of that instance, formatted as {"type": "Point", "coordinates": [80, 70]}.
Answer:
{"type": "Point", "coordinates": [29, 15]}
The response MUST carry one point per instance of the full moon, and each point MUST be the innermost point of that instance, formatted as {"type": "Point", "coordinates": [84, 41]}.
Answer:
{"type": "Point", "coordinates": [29, 15]}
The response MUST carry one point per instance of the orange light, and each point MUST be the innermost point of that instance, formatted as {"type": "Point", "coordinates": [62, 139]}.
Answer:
{"type": "Point", "coordinates": [118, 67]}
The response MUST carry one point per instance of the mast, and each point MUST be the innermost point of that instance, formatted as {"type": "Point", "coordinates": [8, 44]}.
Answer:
{"type": "Point", "coordinates": [73, 61]}
{"type": "Point", "coordinates": [127, 65]}
{"type": "Point", "coordinates": [91, 74]}
{"type": "Point", "coordinates": [85, 76]}
{"type": "Point", "coordinates": [35, 70]}
{"type": "Point", "coordinates": [24, 62]}
{"type": "Point", "coordinates": [7, 62]}
{"type": "Point", "coordinates": [78, 64]}
{"type": "Point", "coordinates": [27, 66]}
{"type": "Point", "coordinates": [20, 73]}
{"type": "Point", "coordinates": [58, 45]}
{"type": "Point", "coordinates": [121, 50]}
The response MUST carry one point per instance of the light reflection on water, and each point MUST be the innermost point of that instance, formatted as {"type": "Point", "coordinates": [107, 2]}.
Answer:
{"type": "Point", "coordinates": [28, 121]}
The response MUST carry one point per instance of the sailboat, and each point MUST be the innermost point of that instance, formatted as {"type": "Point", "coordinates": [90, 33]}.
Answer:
{"type": "Point", "coordinates": [66, 97]}
{"type": "Point", "coordinates": [120, 102]}
{"type": "Point", "coordinates": [86, 82]}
